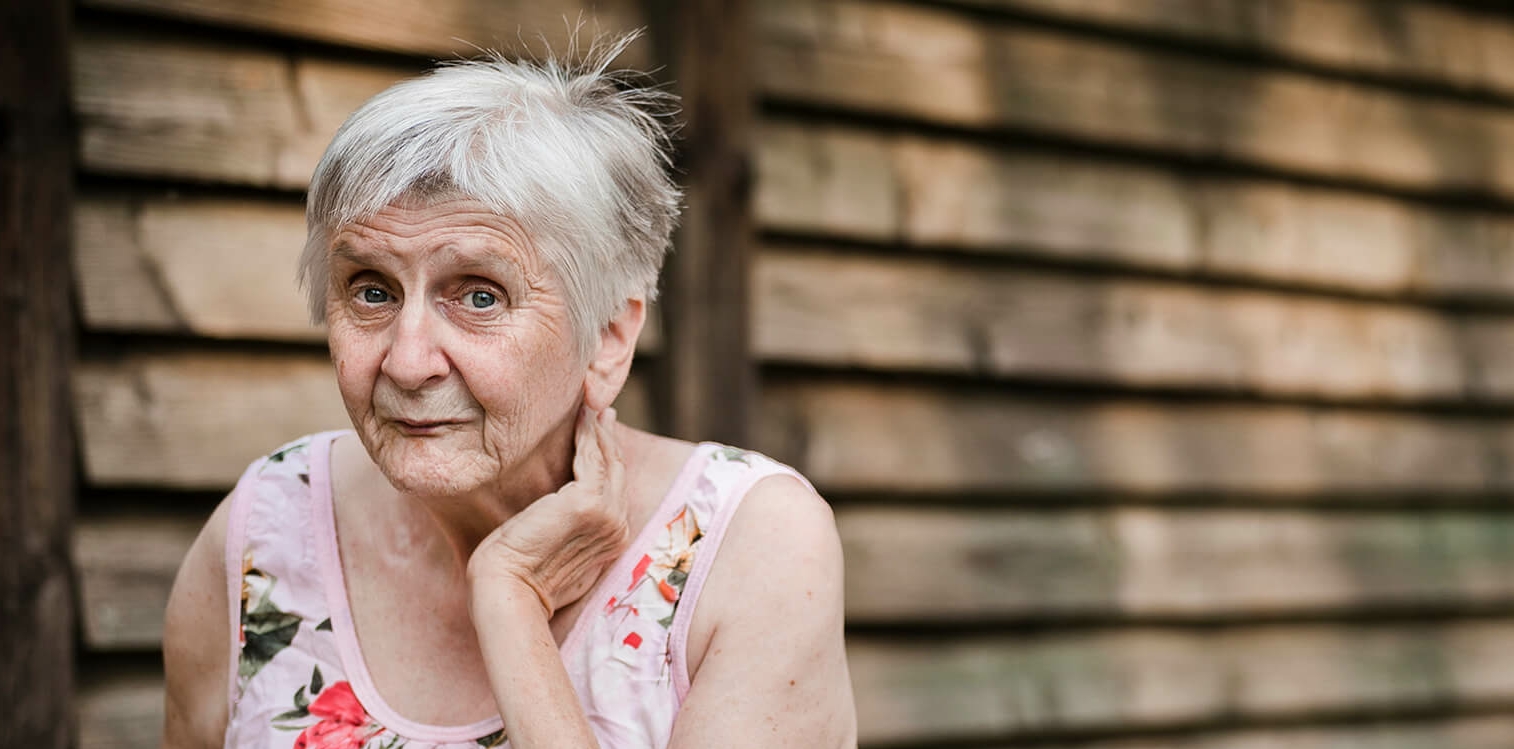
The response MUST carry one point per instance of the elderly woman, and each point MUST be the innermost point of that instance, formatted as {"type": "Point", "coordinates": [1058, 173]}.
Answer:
{"type": "Point", "coordinates": [488, 556]}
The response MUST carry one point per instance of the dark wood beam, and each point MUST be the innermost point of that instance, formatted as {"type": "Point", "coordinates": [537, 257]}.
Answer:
{"type": "Point", "coordinates": [36, 341]}
{"type": "Point", "coordinates": [707, 386]}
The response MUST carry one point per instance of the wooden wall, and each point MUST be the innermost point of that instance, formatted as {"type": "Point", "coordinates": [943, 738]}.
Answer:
{"type": "Point", "coordinates": [1156, 355]}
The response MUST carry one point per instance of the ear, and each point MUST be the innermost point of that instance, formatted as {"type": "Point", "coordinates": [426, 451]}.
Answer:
{"type": "Point", "coordinates": [612, 361]}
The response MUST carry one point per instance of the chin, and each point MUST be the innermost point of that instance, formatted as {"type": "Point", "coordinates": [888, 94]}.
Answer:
{"type": "Point", "coordinates": [432, 466]}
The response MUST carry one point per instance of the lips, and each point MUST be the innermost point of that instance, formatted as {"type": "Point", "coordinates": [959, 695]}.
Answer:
{"type": "Point", "coordinates": [424, 426]}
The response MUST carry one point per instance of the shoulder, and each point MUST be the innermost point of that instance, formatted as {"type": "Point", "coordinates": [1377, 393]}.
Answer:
{"type": "Point", "coordinates": [768, 635]}
{"type": "Point", "coordinates": [780, 554]}
{"type": "Point", "coordinates": [196, 640]}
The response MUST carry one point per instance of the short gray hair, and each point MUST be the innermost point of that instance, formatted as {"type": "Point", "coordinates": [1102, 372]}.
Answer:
{"type": "Point", "coordinates": [574, 152]}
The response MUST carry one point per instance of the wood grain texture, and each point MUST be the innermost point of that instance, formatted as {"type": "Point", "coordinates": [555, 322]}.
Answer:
{"type": "Point", "coordinates": [37, 342]}
{"type": "Point", "coordinates": [994, 687]}
{"type": "Point", "coordinates": [708, 377]}
{"type": "Point", "coordinates": [121, 710]}
{"type": "Point", "coordinates": [917, 313]}
{"type": "Point", "coordinates": [998, 687]}
{"type": "Point", "coordinates": [444, 29]}
{"type": "Point", "coordinates": [125, 567]}
{"type": "Point", "coordinates": [939, 565]}
{"type": "Point", "coordinates": [1492, 732]}
{"type": "Point", "coordinates": [932, 192]}
{"type": "Point", "coordinates": [898, 439]}
{"type": "Point", "coordinates": [168, 107]}
{"type": "Point", "coordinates": [207, 267]}
{"type": "Point", "coordinates": [195, 420]}
{"type": "Point", "coordinates": [1422, 41]}
{"type": "Point", "coordinates": [945, 67]}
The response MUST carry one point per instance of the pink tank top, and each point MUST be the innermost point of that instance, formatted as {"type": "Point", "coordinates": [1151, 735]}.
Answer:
{"type": "Point", "coordinates": [300, 680]}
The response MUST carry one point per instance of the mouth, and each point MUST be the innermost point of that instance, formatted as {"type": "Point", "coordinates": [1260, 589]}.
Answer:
{"type": "Point", "coordinates": [425, 427]}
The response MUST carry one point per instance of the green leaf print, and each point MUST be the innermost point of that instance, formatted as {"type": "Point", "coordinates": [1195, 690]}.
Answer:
{"type": "Point", "coordinates": [266, 633]}
{"type": "Point", "coordinates": [278, 456]}
{"type": "Point", "coordinates": [317, 683]}
{"type": "Point", "coordinates": [324, 626]}
{"type": "Point", "coordinates": [677, 577]}
{"type": "Point", "coordinates": [733, 454]}
{"type": "Point", "coordinates": [493, 739]}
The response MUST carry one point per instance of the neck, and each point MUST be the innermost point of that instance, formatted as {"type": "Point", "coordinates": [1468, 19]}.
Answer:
{"type": "Point", "coordinates": [464, 520]}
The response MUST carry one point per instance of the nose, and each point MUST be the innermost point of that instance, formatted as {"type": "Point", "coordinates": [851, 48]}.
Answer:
{"type": "Point", "coordinates": [415, 358]}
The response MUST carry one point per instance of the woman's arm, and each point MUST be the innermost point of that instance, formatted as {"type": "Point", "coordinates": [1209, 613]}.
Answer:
{"type": "Point", "coordinates": [772, 666]}
{"type": "Point", "coordinates": [196, 641]}
{"type": "Point", "coordinates": [773, 669]}
{"type": "Point", "coordinates": [532, 566]}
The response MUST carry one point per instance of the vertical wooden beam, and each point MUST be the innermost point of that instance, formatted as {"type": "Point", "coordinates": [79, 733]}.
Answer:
{"type": "Point", "coordinates": [708, 377]}
{"type": "Point", "coordinates": [36, 340]}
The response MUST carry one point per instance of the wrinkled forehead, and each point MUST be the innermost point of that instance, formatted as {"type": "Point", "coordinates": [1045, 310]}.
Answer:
{"type": "Point", "coordinates": [448, 229]}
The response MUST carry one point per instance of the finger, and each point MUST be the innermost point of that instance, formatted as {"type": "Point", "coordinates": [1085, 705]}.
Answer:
{"type": "Point", "coordinates": [588, 458]}
{"type": "Point", "coordinates": [609, 446]}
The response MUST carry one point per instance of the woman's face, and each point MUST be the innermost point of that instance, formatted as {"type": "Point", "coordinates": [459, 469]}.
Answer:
{"type": "Point", "coordinates": [453, 348]}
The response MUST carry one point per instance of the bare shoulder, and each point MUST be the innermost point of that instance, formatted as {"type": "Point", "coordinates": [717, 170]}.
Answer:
{"type": "Point", "coordinates": [780, 550]}
{"type": "Point", "coordinates": [197, 640]}
{"type": "Point", "coordinates": [766, 647]}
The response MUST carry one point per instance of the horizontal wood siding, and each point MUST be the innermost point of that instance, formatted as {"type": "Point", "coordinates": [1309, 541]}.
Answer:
{"type": "Point", "coordinates": [1155, 355]}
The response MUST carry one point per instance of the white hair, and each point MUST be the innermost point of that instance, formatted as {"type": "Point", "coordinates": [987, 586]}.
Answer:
{"type": "Point", "coordinates": [574, 153]}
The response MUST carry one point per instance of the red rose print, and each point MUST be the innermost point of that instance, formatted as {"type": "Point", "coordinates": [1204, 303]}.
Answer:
{"type": "Point", "coordinates": [338, 703]}
{"type": "Point", "coordinates": [344, 723]}
{"type": "Point", "coordinates": [333, 735]}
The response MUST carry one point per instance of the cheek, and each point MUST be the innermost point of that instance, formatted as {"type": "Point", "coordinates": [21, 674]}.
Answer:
{"type": "Point", "coordinates": [354, 363]}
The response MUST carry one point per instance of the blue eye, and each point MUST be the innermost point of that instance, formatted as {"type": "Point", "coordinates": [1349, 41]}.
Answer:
{"type": "Point", "coordinates": [373, 295]}
{"type": "Point", "coordinates": [482, 299]}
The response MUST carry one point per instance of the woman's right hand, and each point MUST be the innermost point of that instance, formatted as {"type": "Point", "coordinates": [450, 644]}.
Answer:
{"type": "Point", "coordinates": [560, 545]}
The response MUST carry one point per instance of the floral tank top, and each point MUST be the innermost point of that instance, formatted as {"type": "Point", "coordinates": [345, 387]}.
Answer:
{"type": "Point", "coordinates": [298, 677]}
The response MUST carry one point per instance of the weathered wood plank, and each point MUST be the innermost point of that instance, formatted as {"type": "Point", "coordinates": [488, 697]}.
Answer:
{"type": "Point", "coordinates": [1417, 40]}
{"type": "Point", "coordinates": [930, 192]}
{"type": "Point", "coordinates": [1106, 565]}
{"type": "Point", "coordinates": [1495, 732]}
{"type": "Point", "coordinates": [916, 313]}
{"type": "Point", "coordinates": [448, 28]}
{"type": "Point", "coordinates": [121, 710]}
{"type": "Point", "coordinates": [216, 268]}
{"type": "Point", "coordinates": [252, 117]}
{"type": "Point", "coordinates": [872, 438]}
{"type": "Point", "coordinates": [1000, 687]}
{"type": "Point", "coordinates": [37, 343]}
{"type": "Point", "coordinates": [943, 66]}
{"type": "Point", "coordinates": [196, 420]}
{"type": "Point", "coordinates": [708, 379]}
{"type": "Point", "coordinates": [945, 565]}
{"type": "Point", "coordinates": [166, 107]}
{"type": "Point", "coordinates": [125, 567]}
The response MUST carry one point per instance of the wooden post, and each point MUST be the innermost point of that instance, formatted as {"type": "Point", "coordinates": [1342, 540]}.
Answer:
{"type": "Point", "coordinates": [708, 377]}
{"type": "Point", "coordinates": [36, 340]}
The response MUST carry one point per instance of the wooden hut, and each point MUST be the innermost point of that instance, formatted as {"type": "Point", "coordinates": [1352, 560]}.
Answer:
{"type": "Point", "coordinates": [1157, 356]}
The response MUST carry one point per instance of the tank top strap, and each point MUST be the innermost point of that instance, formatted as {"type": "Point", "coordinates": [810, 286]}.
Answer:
{"type": "Point", "coordinates": [271, 565]}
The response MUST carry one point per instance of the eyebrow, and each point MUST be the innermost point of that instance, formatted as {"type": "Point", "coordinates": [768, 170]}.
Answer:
{"type": "Point", "coordinates": [466, 261]}
{"type": "Point", "coordinates": [351, 254]}
{"type": "Point", "coordinates": [480, 261]}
